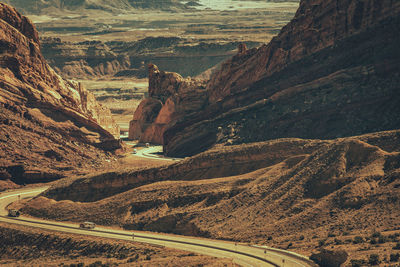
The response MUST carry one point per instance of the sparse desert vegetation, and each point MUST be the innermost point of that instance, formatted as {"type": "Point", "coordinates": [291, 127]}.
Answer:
{"type": "Point", "coordinates": [292, 142]}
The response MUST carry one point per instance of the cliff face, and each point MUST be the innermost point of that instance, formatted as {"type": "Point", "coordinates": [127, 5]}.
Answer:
{"type": "Point", "coordinates": [332, 71]}
{"type": "Point", "coordinates": [171, 97]}
{"type": "Point", "coordinates": [36, 100]}
{"type": "Point", "coordinates": [93, 59]}
{"type": "Point", "coordinates": [317, 25]}
{"type": "Point", "coordinates": [86, 59]}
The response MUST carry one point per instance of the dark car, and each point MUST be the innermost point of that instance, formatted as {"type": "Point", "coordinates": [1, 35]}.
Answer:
{"type": "Point", "coordinates": [14, 213]}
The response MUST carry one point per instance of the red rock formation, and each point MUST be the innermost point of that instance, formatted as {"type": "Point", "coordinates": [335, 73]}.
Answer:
{"type": "Point", "coordinates": [144, 116]}
{"type": "Point", "coordinates": [24, 69]}
{"type": "Point", "coordinates": [40, 111]}
{"type": "Point", "coordinates": [333, 71]}
{"type": "Point", "coordinates": [171, 98]}
{"type": "Point", "coordinates": [317, 24]}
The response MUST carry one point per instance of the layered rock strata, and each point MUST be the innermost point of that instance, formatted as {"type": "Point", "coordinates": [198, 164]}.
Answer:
{"type": "Point", "coordinates": [35, 100]}
{"type": "Point", "coordinates": [171, 97]}
{"type": "Point", "coordinates": [332, 71]}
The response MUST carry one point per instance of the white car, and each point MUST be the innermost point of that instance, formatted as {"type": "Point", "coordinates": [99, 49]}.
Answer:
{"type": "Point", "coordinates": [87, 225]}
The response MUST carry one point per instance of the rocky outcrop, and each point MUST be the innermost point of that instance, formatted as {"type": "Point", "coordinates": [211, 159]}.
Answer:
{"type": "Point", "coordinates": [26, 74]}
{"type": "Point", "coordinates": [317, 24]}
{"type": "Point", "coordinates": [171, 97]}
{"type": "Point", "coordinates": [332, 71]}
{"type": "Point", "coordinates": [37, 101]}
{"type": "Point", "coordinates": [144, 116]}
{"type": "Point", "coordinates": [84, 60]}
{"type": "Point", "coordinates": [91, 59]}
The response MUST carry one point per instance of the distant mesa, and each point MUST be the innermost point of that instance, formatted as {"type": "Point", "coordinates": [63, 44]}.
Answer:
{"type": "Point", "coordinates": [193, 4]}
{"type": "Point", "coordinates": [40, 7]}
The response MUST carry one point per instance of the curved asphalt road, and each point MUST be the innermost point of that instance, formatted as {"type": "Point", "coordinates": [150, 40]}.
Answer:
{"type": "Point", "coordinates": [242, 254]}
{"type": "Point", "coordinates": [150, 153]}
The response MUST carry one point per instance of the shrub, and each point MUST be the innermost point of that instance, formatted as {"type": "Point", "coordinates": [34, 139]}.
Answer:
{"type": "Point", "coordinates": [321, 242]}
{"type": "Point", "coordinates": [357, 263]}
{"type": "Point", "coordinates": [397, 246]}
{"type": "Point", "coordinates": [358, 240]}
{"type": "Point", "coordinates": [375, 234]}
{"type": "Point", "coordinates": [338, 241]}
{"type": "Point", "coordinates": [382, 239]}
{"type": "Point", "coordinates": [394, 237]}
{"type": "Point", "coordinates": [327, 258]}
{"type": "Point", "coordinates": [331, 235]}
{"type": "Point", "coordinates": [373, 259]}
{"type": "Point", "coordinates": [134, 258]}
{"type": "Point", "coordinates": [394, 257]}
{"type": "Point", "coordinates": [96, 264]}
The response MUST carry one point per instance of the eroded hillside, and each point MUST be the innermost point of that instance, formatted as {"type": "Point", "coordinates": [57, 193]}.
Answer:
{"type": "Point", "coordinates": [48, 124]}
{"type": "Point", "coordinates": [294, 187]}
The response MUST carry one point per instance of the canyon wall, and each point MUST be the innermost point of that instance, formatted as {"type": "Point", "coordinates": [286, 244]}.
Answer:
{"type": "Point", "coordinates": [333, 71]}
{"type": "Point", "coordinates": [94, 59]}
{"type": "Point", "coordinates": [41, 108]}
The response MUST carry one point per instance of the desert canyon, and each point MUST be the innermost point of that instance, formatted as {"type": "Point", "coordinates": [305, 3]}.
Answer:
{"type": "Point", "coordinates": [279, 123]}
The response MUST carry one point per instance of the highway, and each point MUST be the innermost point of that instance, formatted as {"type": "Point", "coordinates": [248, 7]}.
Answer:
{"type": "Point", "coordinates": [150, 153]}
{"type": "Point", "coordinates": [242, 254]}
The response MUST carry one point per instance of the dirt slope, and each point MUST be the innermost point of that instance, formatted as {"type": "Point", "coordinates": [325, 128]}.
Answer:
{"type": "Point", "coordinates": [345, 185]}
{"type": "Point", "coordinates": [22, 246]}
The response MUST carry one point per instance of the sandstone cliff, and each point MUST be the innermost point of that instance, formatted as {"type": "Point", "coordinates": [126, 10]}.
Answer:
{"type": "Point", "coordinates": [171, 97]}
{"type": "Point", "coordinates": [317, 25]}
{"type": "Point", "coordinates": [35, 100]}
{"type": "Point", "coordinates": [332, 71]}
{"type": "Point", "coordinates": [88, 59]}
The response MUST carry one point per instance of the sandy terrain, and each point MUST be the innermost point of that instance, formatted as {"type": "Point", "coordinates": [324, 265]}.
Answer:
{"type": "Point", "coordinates": [322, 194]}
{"type": "Point", "coordinates": [26, 246]}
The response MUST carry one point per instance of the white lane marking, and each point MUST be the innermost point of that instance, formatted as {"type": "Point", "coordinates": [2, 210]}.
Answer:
{"type": "Point", "coordinates": [26, 193]}
{"type": "Point", "coordinates": [58, 225]}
